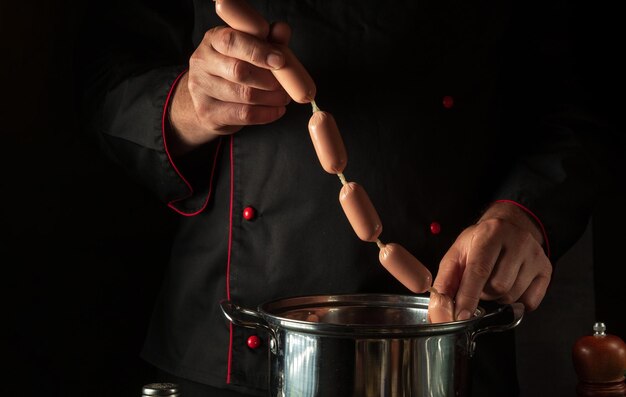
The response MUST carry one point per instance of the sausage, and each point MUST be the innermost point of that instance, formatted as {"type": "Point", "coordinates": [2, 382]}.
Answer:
{"type": "Point", "coordinates": [440, 307]}
{"type": "Point", "coordinates": [313, 318]}
{"type": "Point", "coordinates": [360, 212]}
{"type": "Point", "coordinates": [328, 142]}
{"type": "Point", "coordinates": [405, 267]}
{"type": "Point", "coordinates": [293, 77]}
{"type": "Point", "coordinates": [240, 15]}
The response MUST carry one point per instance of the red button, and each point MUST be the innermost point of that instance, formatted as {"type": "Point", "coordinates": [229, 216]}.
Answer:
{"type": "Point", "coordinates": [254, 342]}
{"type": "Point", "coordinates": [448, 102]}
{"type": "Point", "coordinates": [249, 213]}
{"type": "Point", "coordinates": [435, 228]}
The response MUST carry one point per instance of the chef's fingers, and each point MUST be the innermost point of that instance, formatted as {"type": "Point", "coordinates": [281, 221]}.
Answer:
{"type": "Point", "coordinates": [449, 272]}
{"type": "Point", "coordinates": [235, 44]}
{"type": "Point", "coordinates": [481, 253]}
{"type": "Point", "coordinates": [205, 60]}
{"type": "Point", "coordinates": [535, 293]}
{"type": "Point", "coordinates": [253, 48]}
{"type": "Point", "coordinates": [227, 117]}
{"type": "Point", "coordinates": [532, 282]}
{"type": "Point", "coordinates": [224, 90]}
{"type": "Point", "coordinates": [521, 262]}
{"type": "Point", "coordinates": [505, 275]}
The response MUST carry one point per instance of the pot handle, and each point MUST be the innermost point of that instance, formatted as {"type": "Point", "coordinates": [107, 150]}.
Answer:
{"type": "Point", "coordinates": [516, 309]}
{"type": "Point", "coordinates": [248, 318]}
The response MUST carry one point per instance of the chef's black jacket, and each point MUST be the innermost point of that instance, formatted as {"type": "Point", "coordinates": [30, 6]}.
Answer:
{"type": "Point", "coordinates": [444, 107]}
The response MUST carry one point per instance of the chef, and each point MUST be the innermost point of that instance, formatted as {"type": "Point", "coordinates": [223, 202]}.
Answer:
{"type": "Point", "coordinates": [460, 120]}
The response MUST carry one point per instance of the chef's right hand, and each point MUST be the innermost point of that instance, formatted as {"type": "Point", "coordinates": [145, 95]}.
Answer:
{"type": "Point", "coordinates": [229, 85]}
{"type": "Point", "coordinates": [500, 258]}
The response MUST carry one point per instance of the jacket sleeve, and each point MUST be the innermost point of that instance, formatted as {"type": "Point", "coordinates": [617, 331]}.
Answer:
{"type": "Point", "coordinates": [130, 57]}
{"type": "Point", "coordinates": [565, 143]}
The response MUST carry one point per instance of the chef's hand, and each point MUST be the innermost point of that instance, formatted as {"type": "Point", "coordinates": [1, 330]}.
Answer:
{"type": "Point", "coordinates": [500, 258]}
{"type": "Point", "coordinates": [228, 85]}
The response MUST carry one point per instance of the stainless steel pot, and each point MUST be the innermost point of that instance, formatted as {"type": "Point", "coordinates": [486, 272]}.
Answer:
{"type": "Point", "coordinates": [367, 345]}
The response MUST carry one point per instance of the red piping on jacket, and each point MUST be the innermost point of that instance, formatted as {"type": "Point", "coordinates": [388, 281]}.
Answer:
{"type": "Point", "coordinates": [536, 218]}
{"type": "Point", "coordinates": [230, 246]}
{"type": "Point", "coordinates": [164, 122]}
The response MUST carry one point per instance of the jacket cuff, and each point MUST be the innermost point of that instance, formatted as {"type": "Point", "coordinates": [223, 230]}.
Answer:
{"type": "Point", "coordinates": [198, 189]}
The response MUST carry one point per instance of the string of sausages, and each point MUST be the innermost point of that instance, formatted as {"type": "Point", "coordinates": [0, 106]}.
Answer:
{"type": "Point", "coordinates": [331, 151]}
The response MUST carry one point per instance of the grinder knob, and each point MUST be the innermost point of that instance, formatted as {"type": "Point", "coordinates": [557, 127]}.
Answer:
{"type": "Point", "coordinates": [600, 362]}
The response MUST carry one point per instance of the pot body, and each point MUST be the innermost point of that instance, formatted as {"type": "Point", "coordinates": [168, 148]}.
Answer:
{"type": "Point", "coordinates": [367, 345]}
{"type": "Point", "coordinates": [419, 366]}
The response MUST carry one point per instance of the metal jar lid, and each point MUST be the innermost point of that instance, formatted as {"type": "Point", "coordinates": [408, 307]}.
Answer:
{"type": "Point", "coordinates": [161, 389]}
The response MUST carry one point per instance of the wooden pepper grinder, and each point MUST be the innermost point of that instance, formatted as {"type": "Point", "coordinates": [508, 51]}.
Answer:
{"type": "Point", "coordinates": [600, 362]}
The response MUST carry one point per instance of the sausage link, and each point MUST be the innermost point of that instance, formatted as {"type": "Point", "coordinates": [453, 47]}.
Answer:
{"type": "Point", "coordinates": [328, 142]}
{"type": "Point", "coordinates": [294, 78]}
{"type": "Point", "coordinates": [360, 212]}
{"type": "Point", "coordinates": [440, 307]}
{"type": "Point", "coordinates": [240, 15]}
{"type": "Point", "coordinates": [405, 267]}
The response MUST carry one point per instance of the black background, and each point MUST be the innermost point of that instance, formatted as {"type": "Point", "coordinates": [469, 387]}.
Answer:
{"type": "Point", "coordinates": [83, 248]}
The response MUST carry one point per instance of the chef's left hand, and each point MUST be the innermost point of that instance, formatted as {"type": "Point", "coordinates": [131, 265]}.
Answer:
{"type": "Point", "coordinates": [500, 258]}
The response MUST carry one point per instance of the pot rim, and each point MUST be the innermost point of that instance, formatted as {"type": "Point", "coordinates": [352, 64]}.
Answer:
{"type": "Point", "coordinates": [271, 312]}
